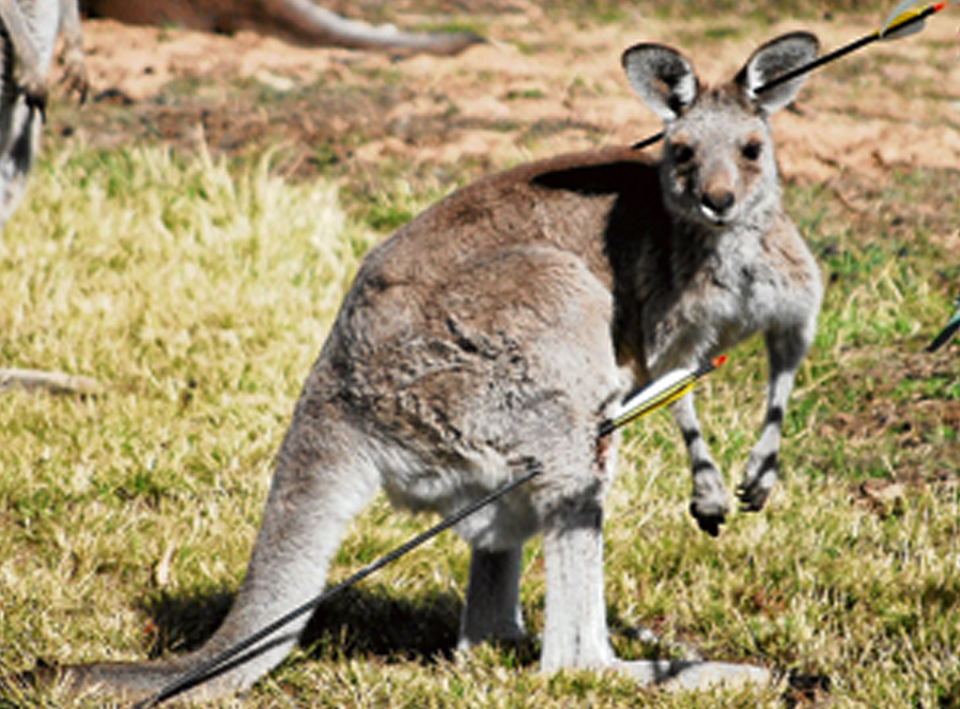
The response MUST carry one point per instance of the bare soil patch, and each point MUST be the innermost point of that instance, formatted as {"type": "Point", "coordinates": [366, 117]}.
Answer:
{"type": "Point", "coordinates": [539, 86]}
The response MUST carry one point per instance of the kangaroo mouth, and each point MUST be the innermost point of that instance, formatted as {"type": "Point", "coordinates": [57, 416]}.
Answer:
{"type": "Point", "coordinates": [718, 220]}
{"type": "Point", "coordinates": [718, 209]}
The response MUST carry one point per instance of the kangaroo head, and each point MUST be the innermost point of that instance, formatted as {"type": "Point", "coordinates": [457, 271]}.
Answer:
{"type": "Point", "coordinates": [718, 166]}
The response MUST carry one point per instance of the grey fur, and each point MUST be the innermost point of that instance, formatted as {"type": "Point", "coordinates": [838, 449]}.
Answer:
{"type": "Point", "coordinates": [300, 22]}
{"type": "Point", "coordinates": [496, 331]}
{"type": "Point", "coordinates": [27, 36]}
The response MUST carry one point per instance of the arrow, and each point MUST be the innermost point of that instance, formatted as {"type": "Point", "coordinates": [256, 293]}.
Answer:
{"type": "Point", "coordinates": [667, 389]}
{"type": "Point", "coordinates": [902, 22]}
{"type": "Point", "coordinates": [947, 332]}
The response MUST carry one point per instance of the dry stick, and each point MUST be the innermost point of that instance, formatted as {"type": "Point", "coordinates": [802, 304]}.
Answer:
{"type": "Point", "coordinates": [890, 31]}
{"type": "Point", "coordinates": [650, 398]}
{"type": "Point", "coordinates": [53, 382]}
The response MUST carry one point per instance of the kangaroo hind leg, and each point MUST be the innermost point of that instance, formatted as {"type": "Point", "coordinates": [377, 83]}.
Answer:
{"type": "Point", "coordinates": [492, 609]}
{"type": "Point", "coordinates": [322, 480]}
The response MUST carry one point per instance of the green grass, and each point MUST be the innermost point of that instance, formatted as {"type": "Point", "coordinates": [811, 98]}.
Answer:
{"type": "Point", "coordinates": [199, 294]}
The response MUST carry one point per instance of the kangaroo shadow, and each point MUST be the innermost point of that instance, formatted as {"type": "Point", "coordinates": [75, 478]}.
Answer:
{"type": "Point", "coordinates": [356, 623]}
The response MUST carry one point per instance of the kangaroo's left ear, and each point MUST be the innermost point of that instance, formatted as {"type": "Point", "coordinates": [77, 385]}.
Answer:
{"type": "Point", "coordinates": [662, 77]}
{"type": "Point", "coordinates": [773, 59]}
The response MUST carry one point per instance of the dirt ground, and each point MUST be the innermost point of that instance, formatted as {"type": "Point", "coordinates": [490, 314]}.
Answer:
{"type": "Point", "coordinates": [539, 86]}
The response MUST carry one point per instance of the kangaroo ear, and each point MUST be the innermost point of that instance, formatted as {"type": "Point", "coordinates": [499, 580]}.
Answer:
{"type": "Point", "coordinates": [662, 77]}
{"type": "Point", "coordinates": [773, 59]}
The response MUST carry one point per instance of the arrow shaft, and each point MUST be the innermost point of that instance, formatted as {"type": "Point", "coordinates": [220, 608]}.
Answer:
{"type": "Point", "coordinates": [888, 31]}
{"type": "Point", "coordinates": [658, 393]}
{"type": "Point", "coordinates": [215, 665]}
{"type": "Point", "coordinates": [849, 48]}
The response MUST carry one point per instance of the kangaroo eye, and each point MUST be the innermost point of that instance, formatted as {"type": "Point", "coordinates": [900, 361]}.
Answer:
{"type": "Point", "coordinates": [751, 151]}
{"type": "Point", "coordinates": [681, 153]}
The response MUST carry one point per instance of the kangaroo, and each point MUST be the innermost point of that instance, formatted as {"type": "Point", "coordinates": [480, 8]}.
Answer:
{"type": "Point", "coordinates": [28, 32]}
{"type": "Point", "coordinates": [492, 334]}
{"type": "Point", "coordinates": [296, 21]}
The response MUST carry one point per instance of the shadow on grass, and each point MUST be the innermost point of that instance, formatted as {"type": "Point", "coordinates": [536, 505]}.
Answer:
{"type": "Point", "coordinates": [363, 623]}
{"type": "Point", "coordinates": [357, 623]}
{"type": "Point", "coordinates": [181, 623]}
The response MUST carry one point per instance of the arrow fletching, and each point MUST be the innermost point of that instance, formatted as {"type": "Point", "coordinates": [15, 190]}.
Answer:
{"type": "Point", "coordinates": [905, 20]}
{"type": "Point", "coordinates": [660, 392]}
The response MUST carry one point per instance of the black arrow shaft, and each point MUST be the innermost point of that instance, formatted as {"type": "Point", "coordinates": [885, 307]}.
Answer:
{"type": "Point", "coordinates": [825, 59]}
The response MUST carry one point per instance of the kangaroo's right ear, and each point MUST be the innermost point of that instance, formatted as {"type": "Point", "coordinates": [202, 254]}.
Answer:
{"type": "Point", "coordinates": [777, 57]}
{"type": "Point", "coordinates": [662, 77]}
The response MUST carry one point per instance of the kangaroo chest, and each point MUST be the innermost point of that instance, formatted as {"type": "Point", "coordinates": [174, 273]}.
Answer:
{"type": "Point", "coordinates": [701, 304]}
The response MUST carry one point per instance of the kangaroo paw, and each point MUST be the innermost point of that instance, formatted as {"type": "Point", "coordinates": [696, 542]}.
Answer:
{"type": "Point", "coordinates": [757, 483]}
{"type": "Point", "coordinates": [710, 503]}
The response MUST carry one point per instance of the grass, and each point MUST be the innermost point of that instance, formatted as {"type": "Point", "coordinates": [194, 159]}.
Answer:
{"type": "Point", "coordinates": [200, 295]}
{"type": "Point", "coordinates": [199, 291]}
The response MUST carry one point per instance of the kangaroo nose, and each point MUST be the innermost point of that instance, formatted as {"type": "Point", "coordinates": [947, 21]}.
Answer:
{"type": "Point", "coordinates": [718, 203]}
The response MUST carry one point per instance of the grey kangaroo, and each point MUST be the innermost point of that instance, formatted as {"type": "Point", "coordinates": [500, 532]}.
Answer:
{"type": "Point", "coordinates": [28, 32]}
{"type": "Point", "coordinates": [300, 22]}
{"type": "Point", "coordinates": [491, 336]}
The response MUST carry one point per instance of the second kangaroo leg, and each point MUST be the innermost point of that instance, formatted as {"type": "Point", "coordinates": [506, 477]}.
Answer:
{"type": "Point", "coordinates": [785, 350]}
{"type": "Point", "coordinates": [20, 125]}
{"type": "Point", "coordinates": [74, 63]}
{"type": "Point", "coordinates": [709, 503]}
{"type": "Point", "coordinates": [29, 37]}
{"type": "Point", "coordinates": [492, 609]}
